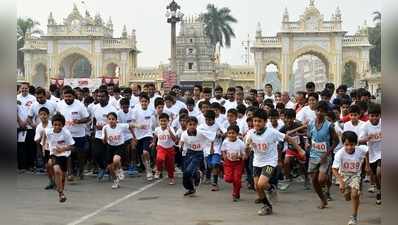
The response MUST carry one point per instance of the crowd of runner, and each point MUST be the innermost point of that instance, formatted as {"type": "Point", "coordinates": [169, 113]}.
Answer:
{"type": "Point", "coordinates": [272, 138]}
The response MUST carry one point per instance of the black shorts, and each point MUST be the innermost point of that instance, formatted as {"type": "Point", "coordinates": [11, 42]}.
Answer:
{"type": "Point", "coordinates": [143, 144]}
{"type": "Point", "coordinates": [268, 171]}
{"type": "Point", "coordinates": [128, 142]}
{"type": "Point", "coordinates": [374, 165]}
{"type": "Point", "coordinates": [111, 151]}
{"type": "Point", "coordinates": [81, 143]}
{"type": "Point", "coordinates": [61, 161]}
{"type": "Point", "coordinates": [46, 156]}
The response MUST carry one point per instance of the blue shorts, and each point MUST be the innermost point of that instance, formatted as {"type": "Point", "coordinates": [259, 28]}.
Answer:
{"type": "Point", "coordinates": [213, 160]}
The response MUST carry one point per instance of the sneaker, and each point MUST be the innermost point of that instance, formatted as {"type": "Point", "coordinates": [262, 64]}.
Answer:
{"type": "Point", "coordinates": [50, 185]}
{"type": "Point", "coordinates": [265, 210]}
{"type": "Point", "coordinates": [157, 175]}
{"type": "Point", "coordinates": [258, 201]}
{"type": "Point", "coordinates": [116, 183]}
{"type": "Point", "coordinates": [120, 174]}
{"type": "Point", "coordinates": [366, 179]}
{"type": "Point", "coordinates": [149, 176]}
{"type": "Point", "coordinates": [235, 198]}
{"type": "Point", "coordinates": [299, 179]}
{"type": "Point", "coordinates": [372, 189]}
{"type": "Point", "coordinates": [70, 178]}
{"type": "Point", "coordinates": [62, 197]}
{"type": "Point", "coordinates": [172, 181]}
{"type": "Point", "coordinates": [215, 187]}
{"type": "Point", "coordinates": [189, 193]}
{"type": "Point", "coordinates": [378, 199]}
{"type": "Point", "coordinates": [353, 220]}
{"type": "Point", "coordinates": [100, 175]}
{"type": "Point", "coordinates": [284, 186]}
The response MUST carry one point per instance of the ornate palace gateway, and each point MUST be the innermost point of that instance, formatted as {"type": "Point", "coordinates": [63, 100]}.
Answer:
{"type": "Point", "coordinates": [312, 35]}
{"type": "Point", "coordinates": [80, 47]}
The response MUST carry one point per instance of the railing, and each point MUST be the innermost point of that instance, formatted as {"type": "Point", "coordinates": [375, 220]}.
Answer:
{"type": "Point", "coordinates": [269, 42]}
{"type": "Point", "coordinates": [118, 43]}
{"type": "Point", "coordinates": [355, 40]}
{"type": "Point", "coordinates": [89, 30]}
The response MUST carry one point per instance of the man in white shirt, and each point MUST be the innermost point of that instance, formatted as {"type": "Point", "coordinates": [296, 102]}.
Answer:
{"type": "Point", "coordinates": [135, 97]}
{"type": "Point", "coordinates": [286, 100]}
{"type": "Point", "coordinates": [26, 101]}
{"type": "Point", "coordinates": [41, 101]}
{"type": "Point", "coordinates": [268, 92]}
{"type": "Point", "coordinates": [218, 96]}
{"type": "Point", "coordinates": [230, 103]}
{"type": "Point", "coordinates": [76, 118]}
{"type": "Point", "coordinates": [307, 113]}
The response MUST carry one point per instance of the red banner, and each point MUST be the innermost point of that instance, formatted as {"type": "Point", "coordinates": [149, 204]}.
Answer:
{"type": "Point", "coordinates": [169, 79]}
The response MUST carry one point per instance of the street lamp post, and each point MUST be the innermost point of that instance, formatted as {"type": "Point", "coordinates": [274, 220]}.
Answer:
{"type": "Point", "coordinates": [174, 16]}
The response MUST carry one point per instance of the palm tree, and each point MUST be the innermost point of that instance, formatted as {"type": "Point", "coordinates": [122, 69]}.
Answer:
{"type": "Point", "coordinates": [23, 27]}
{"type": "Point", "coordinates": [377, 17]}
{"type": "Point", "coordinates": [375, 40]}
{"type": "Point", "coordinates": [217, 25]}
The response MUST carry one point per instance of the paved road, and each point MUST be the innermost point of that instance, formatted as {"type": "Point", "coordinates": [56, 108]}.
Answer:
{"type": "Point", "coordinates": [139, 202]}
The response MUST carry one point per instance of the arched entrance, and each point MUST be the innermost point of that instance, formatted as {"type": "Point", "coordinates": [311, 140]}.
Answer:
{"type": "Point", "coordinates": [272, 76]}
{"type": "Point", "coordinates": [75, 66]}
{"type": "Point", "coordinates": [39, 78]}
{"type": "Point", "coordinates": [349, 73]}
{"type": "Point", "coordinates": [309, 66]}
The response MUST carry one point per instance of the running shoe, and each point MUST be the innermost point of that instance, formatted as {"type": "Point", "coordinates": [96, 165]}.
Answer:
{"type": "Point", "coordinates": [190, 192]}
{"type": "Point", "coordinates": [50, 185]}
{"type": "Point", "coordinates": [157, 175]}
{"type": "Point", "coordinates": [62, 197]}
{"type": "Point", "coordinates": [149, 176]}
{"type": "Point", "coordinates": [116, 183]}
{"type": "Point", "coordinates": [353, 220]}
{"type": "Point", "coordinates": [132, 170]}
{"type": "Point", "coordinates": [284, 186]}
{"type": "Point", "coordinates": [372, 189]}
{"type": "Point", "coordinates": [265, 210]}
{"type": "Point", "coordinates": [378, 199]}
{"type": "Point", "coordinates": [101, 174]}
{"type": "Point", "coordinates": [215, 187]}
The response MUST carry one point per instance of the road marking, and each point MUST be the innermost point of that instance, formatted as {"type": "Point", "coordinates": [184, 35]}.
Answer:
{"type": "Point", "coordinates": [88, 216]}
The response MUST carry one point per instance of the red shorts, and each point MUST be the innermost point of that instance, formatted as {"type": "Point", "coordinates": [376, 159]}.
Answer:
{"type": "Point", "coordinates": [295, 153]}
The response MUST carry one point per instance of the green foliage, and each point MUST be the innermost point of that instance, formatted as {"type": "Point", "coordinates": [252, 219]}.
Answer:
{"type": "Point", "coordinates": [218, 25]}
{"type": "Point", "coordinates": [375, 40]}
{"type": "Point", "coordinates": [349, 74]}
{"type": "Point", "coordinates": [23, 27]}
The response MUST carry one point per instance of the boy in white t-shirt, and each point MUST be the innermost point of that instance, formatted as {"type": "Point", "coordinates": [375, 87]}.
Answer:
{"type": "Point", "coordinates": [346, 167]}
{"type": "Point", "coordinates": [113, 135]}
{"type": "Point", "coordinates": [43, 144]}
{"type": "Point", "coordinates": [193, 139]}
{"type": "Point", "coordinates": [355, 124]}
{"type": "Point", "coordinates": [164, 140]}
{"type": "Point", "coordinates": [263, 141]}
{"type": "Point", "coordinates": [60, 143]}
{"type": "Point", "coordinates": [233, 154]}
{"type": "Point", "coordinates": [212, 149]}
{"type": "Point", "coordinates": [372, 136]}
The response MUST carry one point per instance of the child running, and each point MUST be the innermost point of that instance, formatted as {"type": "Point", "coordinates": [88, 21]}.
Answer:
{"type": "Point", "coordinates": [165, 138]}
{"type": "Point", "coordinates": [263, 141]}
{"type": "Point", "coordinates": [346, 167]}
{"type": "Point", "coordinates": [60, 143]}
{"type": "Point", "coordinates": [233, 154]}
{"type": "Point", "coordinates": [193, 139]}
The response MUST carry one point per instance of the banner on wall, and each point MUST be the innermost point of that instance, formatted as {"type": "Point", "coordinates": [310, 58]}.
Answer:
{"type": "Point", "coordinates": [91, 84]}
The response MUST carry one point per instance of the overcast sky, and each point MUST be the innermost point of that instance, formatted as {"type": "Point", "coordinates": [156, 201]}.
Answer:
{"type": "Point", "coordinates": [153, 33]}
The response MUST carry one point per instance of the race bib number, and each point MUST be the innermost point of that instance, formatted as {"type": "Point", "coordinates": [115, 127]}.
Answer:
{"type": "Point", "coordinates": [114, 139]}
{"type": "Point", "coordinates": [375, 137]}
{"type": "Point", "coordinates": [261, 147]}
{"type": "Point", "coordinates": [319, 146]}
{"type": "Point", "coordinates": [195, 146]}
{"type": "Point", "coordinates": [233, 156]}
{"type": "Point", "coordinates": [164, 137]}
{"type": "Point", "coordinates": [351, 166]}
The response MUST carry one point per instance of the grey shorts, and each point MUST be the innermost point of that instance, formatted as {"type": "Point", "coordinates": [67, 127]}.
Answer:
{"type": "Point", "coordinates": [315, 166]}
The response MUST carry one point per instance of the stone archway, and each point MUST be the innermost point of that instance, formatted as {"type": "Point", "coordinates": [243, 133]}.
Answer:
{"type": "Point", "coordinates": [39, 78]}
{"type": "Point", "coordinates": [75, 65]}
{"type": "Point", "coordinates": [272, 75]}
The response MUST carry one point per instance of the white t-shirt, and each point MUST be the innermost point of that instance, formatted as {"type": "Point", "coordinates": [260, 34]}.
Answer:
{"type": "Point", "coordinates": [134, 101]}
{"type": "Point", "coordinates": [115, 136]}
{"type": "Point", "coordinates": [40, 133]}
{"type": "Point", "coordinates": [173, 111]}
{"type": "Point", "coordinates": [123, 117]}
{"type": "Point", "coordinates": [100, 115]}
{"type": "Point", "coordinates": [26, 103]}
{"type": "Point", "coordinates": [143, 117]}
{"type": "Point", "coordinates": [113, 101]}
{"type": "Point", "coordinates": [306, 114]}
{"type": "Point", "coordinates": [230, 105]}
{"type": "Point", "coordinates": [373, 132]}
{"type": "Point", "coordinates": [269, 97]}
{"type": "Point", "coordinates": [197, 142]}
{"type": "Point", "coordinates": [75, 111]}
{"type": "Point", "coordinates": [265, 147]}
{"type": "Point", "coordinates": [36, 106]}
{"type": "Point", "coordinates": [164, 137]}
{"type": "Point", "coordinates": [278, 127]}
{"type": "Point", "coordinates": [348, 126]}
{"type": "Point", "coordinates": [215, 129]}
{"type": "Point", "coordinates": [235, 151]}
{"type": "Point", "coordinates": [54, 99]}
{"type": "Point", "coordinates": [221, 101]}
{"type": "Point", "coordinates": [350, 163]}
{"type": "Point", "coordinates": [61, 139]}
{"type": "Point", "coordinates": [178, 136]}
{"type": "Point", "coordinates": [290, 105]}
